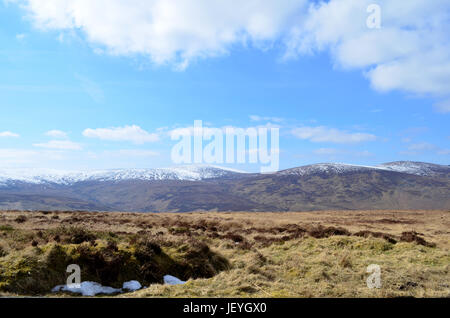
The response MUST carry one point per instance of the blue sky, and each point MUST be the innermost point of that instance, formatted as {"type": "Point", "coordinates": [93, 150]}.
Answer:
{"type": "Point", "coordinates": [61, 76]}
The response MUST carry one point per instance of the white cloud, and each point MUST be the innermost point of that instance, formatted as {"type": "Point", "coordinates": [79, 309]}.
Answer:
{"type": "Point", "coordinates": [265, 118]}
{"type": "Point", "coordinates": [410, 52]}
{"type": "Point", "coordinates": [331, 135]}
{"type": "Point", "coordinates": [191, 131]}
{"type": "Point", "coordinates": [132, 133]}
{"type": "Point", "coordinates": [56, 134]}
{"type": "Point", "coordinates": [167, 31]}
{"type": "Point", "coordinates": [8, 134]}
{"type": "Point", "coordinates": [203, 130]}
{"type": "Point", "coordinates": [60, 145]}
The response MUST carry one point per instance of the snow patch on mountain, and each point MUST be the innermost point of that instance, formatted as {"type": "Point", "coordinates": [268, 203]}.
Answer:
{"type": "Point", "coordinates": [417, 168]}
{"type": "Point", "coordinates": [201, 172]}
{"type": "Point", "coordinates": [409, 167]}
{"type": "Point", "coordinates": [326, 168]}
{"type": "Point", "coordinates": [43, 176]}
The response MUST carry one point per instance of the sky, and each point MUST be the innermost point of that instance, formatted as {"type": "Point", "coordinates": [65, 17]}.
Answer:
{"type": "Point", "coordinates": [102, 84]}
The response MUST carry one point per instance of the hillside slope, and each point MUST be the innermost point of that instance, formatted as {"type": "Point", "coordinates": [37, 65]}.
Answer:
{"type": "Point", "coordinates": [402, 185]}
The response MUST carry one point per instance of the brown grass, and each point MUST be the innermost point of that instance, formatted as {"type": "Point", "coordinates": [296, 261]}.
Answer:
{"type": "Point", "coordinates": [305, 254]}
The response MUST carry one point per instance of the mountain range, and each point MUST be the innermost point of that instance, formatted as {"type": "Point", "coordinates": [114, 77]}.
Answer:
{"type": "Point", "coordinates": [394, 185]}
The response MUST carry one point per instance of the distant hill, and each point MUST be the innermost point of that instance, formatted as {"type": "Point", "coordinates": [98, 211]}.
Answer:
{"type": "Point", "coordinates": [395, 185]}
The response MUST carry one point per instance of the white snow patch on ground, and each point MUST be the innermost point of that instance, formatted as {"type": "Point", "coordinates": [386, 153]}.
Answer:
{"type": "Point", "coordinates": [86, 289]}
{"type": "Point", "coordinates": [93, 288]}
{"type": "Point", "coordinates": [172, 280]}
{"type": "Point", "coordinates": [132, 285]}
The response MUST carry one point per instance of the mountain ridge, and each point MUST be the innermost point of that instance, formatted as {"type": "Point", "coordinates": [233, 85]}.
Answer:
{"type": "Point", "coordinates": [200, 172]}
{"type": "Point", "coordinates": [191, 173]}
{"type": "Point", "coordinates": [399, 185]}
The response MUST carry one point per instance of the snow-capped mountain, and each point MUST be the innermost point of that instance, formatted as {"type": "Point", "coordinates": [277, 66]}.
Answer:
{"type": "Point", "coordinates": [326, 168]}
{"type": "Point", "coordinates": [417, 168]}
{"type": "Point", "coordinates": [397, 185]}
{"type": "Point", "coordinates": [201, 172]}
{"type": "Point", "coordinates": [408, 167]}
{"type": "Point", "coordinates": [42, 176]}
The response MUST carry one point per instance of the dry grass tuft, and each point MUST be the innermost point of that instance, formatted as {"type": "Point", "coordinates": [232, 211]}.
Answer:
{"type": "Point", "coordinates": [313, 254]}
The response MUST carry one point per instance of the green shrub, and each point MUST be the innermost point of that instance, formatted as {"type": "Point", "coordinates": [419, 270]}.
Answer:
{"type": "Point", "coordinates": [6, 228]}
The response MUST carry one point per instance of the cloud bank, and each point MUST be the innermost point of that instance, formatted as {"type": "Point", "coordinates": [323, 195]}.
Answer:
{"type": "Point", "coordinates": [166, 31]}
{"type": "Point", "coordinates": [410, 52]}
{"type": "Point", "coordinates": [132, 133]}
{"type": "Point", "coordinates": [8, 134]}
